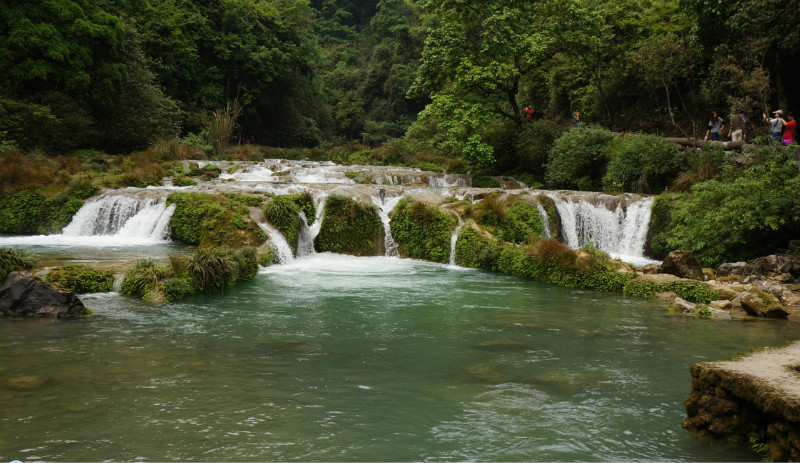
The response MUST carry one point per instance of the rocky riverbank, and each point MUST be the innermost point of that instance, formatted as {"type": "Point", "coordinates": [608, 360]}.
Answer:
{"type": "Point", "coordinates": [753, 399]}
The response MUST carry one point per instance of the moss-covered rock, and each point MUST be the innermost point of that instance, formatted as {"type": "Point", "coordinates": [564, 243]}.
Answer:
{"type": "Point", "coordinates": [283, 213]}
{"type": "Point", "coordinates": [422, 231]}
{"type": "Point", "coordinates": [209, 220]}
{"type": "Point", "coordinates": [350, 227]}
{"type": "Point", "coordinates": [81, 279]}
{"type": "Point", "coordinates": [477, 250]}
{"type": "Point", "coordinates": [31, 212]}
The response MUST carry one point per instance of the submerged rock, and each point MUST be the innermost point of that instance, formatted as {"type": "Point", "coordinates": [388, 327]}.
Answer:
{"type": "Point", "coordinates": [25, 296]}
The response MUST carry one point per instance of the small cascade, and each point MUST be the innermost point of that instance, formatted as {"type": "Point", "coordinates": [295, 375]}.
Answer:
{"type": "Point", "coordinates": [385, 206]}
{"type": "Point", "coordinates": [545, 220]}
{"type": "Point", "coordinates": [616, 225]}
{"type": "Point", "coordinates": [305, 242]}
{"type": "Point", "coordinates": [123, 215]}
{"type": "Point", "coordinates": [454, 240]}
{"type": "Point", "coordinates": [448, 181]}
{"type": "Point", "coordinates": [283, 251]}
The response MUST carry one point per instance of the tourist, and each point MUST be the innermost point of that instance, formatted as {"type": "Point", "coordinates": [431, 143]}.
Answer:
{"type": "Point", "coordinates": [529, 112]}
{"type": "Point", "coordinates": [789, 129]}
{"type": "Point", "coordinates": [576, 118]}
{"type": "Point", "coordinates": [776, 126]}
{"type": "Point", "coordinates": [736, 126]}
{"type": "Point", "coordinates": [715, 127]}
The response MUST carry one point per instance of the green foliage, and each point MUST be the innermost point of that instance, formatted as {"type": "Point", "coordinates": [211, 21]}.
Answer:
{"type": "Point", "coordinates": [12, 260]}
{"type": "Point", "coordinates": [421, 231]}
{"type": "Point", "coordinates": [181, 180]}
{"type": "Point", "coordinates": [143, 278]}
{"type": "Point", "coordinates": [578, 159]}
{"type": "Point", "coordinates": [692, 291]}
{"type": "Point", "coordinates": [212, 270]}
{"type": "Point", "coordinates": [305, 201]}
{"type": "Point", "coordinates": [212, 220]}
{"type": "Point", "coordinates": [267, 259]}
{"type": "Point", "coordinates": [732, 219]}
{"type": "Point", "coordinates": [221, 126]}
{"type": "Point", "coordinates": [81, 279]}
{"type": "Point", "coordinates": [522, 222]}
{"type": "Point", "coordinates": [475, 250]}
{"type": "Point", "coordinates": [177, 288]}
{"type": "Point", "coordinates": [350, 227]}
{"type": "Point", "coordinates": [533, 144]}
{"type": "Point", "coordinates": [283, 213]}
{"type": "Point", "coordinates": [642, 164]}
{"type": "Point", "coordinates": [485, 182]}
{"type": "Point", "coordinates": [31, 212]}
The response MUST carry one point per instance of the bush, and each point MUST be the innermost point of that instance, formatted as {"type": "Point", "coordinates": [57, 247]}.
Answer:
{"type": "Point", "coordinates": [534, 143]}
{"type": "Point", "coordinates": [578, 159]}
{"type": "Point", "coordinates": [642, 164]}
{"type": "Point", "coordinates": [81, 279]}
{"type": "Point", "coordinates": [12, 260]}
{"type": "Point", "coordinates": [477, 251]}
{"type": "Point", "coordinates": [143, 278]}
{"type": "Point", "coordinates": [350, 227]}
{"type": "Point", "coordinates": [284, 214]}
{"type": "Point", "coordinates": [421, 231]}
{"type": "Point", "coordinates": [522, 223]}
{"type": "Point", "coordinates": [30, 212]}
{"type": "Point", "coordinates": [209, 220]}
{"type": "Point", "coordinates": [212, 270]}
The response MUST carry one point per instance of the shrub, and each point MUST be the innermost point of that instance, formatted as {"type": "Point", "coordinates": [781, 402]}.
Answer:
{"type": "Point", "coordinates": [283, 213]}
{"type": "Point", "coordinates": [13, 259]}
{"type": "Point", "coordinates": [177, 288]}
{"type": "Point", "coordinates": [143, 278]}
{"type": "Point", "coordinates": [642, 164]}
{"type": "Point", "coordinates": [534, 143]}
{"type": "Point", "coordinates": [421, 231]}
{"type": "Point", "coordinates": [31, 212]}
{"type": "Point", "coordinates": [350, 227]}
{"type": "Point", "coordinates": [81, 279]}
{"type": "Point", "coordinates": [212, 270]}
{"type": "Point", "coordinates": [213, 220]}
{"type": "Point", "coordinates": [578, 159]}
{"type": "Point", "coordinates": [477, 251]}
{"type": "Point", "coordinates": [522, 223]}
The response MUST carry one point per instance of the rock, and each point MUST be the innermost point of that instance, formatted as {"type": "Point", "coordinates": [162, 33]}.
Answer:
{"type": "Point", "coordinates": [682, 264]}
{"type": "Point", "coordinates": [761, 304]}
{"type": "Point", "coordinates": [719, 314]}
{"type": "Point", "coordinates": [729, 269]}
{"type": "Point", "coordinates": [721, 305]}
{"type": "Point", "coordinates": [681, 305]}
{"type": "Point", "coordinates": [726, 291]}
{"type": "Point", "coordinates": [24, 296]}
{"type": "Point", "coordinates": [708, 274]}
{"type": "Point", "coordinates": [649, 269]}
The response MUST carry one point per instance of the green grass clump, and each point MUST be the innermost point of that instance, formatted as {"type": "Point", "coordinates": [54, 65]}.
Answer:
{"type": "Point", "coordinates": [284, 214]}
{"type": "Point", "coordinates": [13, 259]}
{"type": "Point", "coordinates": [422, 231]}
{"type": "Point", "coordinates": [81, 279]}
{"type": "Point", "coordinates": [212, 220]}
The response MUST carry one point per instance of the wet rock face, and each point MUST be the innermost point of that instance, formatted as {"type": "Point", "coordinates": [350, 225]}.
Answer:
{"type": "Point", "coordinates": [24, 296]}
{"type": "Point", "coordinates": [758, 393]}
{"type": "Point", "coordinates": [682, 264]}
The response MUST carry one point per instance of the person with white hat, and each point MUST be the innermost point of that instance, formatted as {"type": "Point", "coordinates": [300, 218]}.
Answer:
{"type": "Point", "coordinates": [776, 126]}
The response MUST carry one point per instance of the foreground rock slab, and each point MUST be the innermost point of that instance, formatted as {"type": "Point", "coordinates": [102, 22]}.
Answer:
{"type": "Point", "coordinates": [755, 395]}
{"type": "Point", "coordinates": [25, 296]}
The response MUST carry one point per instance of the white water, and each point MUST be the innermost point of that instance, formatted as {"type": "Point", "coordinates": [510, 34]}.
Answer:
{"type": "Point", "coordinates": [128, 217]}
{"type": "Point", "coordinates": [621, 231]}
{"type": "Point", "coordinates": [283, 252]}
{"type": "Point", "coordinates": [385, 207]}
{"type": "Point", "coordinates": [453, 241]}
{"type": "Point", "coordinates": [305, 241]}
{"type": "Point", "coordinates": [545, 220]}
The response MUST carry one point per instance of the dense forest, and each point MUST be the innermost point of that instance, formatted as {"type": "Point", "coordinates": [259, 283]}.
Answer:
{"type": "Point", "coordinates": [448, 75]}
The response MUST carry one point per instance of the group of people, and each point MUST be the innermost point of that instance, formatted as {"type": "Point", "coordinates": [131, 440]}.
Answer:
{"type": "Point", "coordinates": [781, 130]}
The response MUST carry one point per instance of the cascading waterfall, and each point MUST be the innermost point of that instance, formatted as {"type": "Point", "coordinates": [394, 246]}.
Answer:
{"type": "Point", "coordinates": [545, 220]}
{"type": "Point", "coordinates": [283, 252]}
{"type": "Point", "coordinates": [385, 206]}
{"type": "Point", "coordinates": [454, 240]}
{"type": "Point", "coordinates": [305, 242]}
{"type": "Point", "coordinates": [616, 225]}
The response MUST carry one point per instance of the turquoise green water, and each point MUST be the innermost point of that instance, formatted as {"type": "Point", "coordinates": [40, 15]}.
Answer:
{"type": "Point", "coordinates": [334, 358]}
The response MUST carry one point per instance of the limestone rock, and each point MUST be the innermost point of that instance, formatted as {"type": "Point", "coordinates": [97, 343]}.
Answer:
{"type": "Point", "coordinates": [682, 264]}
{"type": "Point", "coordinates": [649, 269]}
{"type": "Point", "coordinates": [719, 314]}
{"type": "Point", "coordinates": [721, 305]}
{"type": "Point", "coordinates": [681, 305]}
{"type": "Point", "coordinates": [24, 296]}
{"type": "Point", "coordinates": [729, 269]}
{"type": "Point", "coordinates": [761, 304]}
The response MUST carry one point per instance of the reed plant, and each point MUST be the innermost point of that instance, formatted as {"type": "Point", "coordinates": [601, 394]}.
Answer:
{"type": "Point", "coordinates": [143, 278]}
{"type": "Point", "coordinates": [13, 259]}
{"type": "Point", "coordinates": [212, 270]}
{"type": "Point", "coordinates": [222, 126]}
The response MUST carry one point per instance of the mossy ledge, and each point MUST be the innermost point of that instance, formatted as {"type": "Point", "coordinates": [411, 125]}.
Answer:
{"type": "Point", "coordinates": [350, 227]}
{"type": "Point", "coordinates": [752, 399]}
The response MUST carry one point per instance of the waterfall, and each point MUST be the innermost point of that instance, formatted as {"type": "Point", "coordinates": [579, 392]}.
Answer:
{"type": "Point", "coordinates": [454, 240]}
{"type": "Point", "coordinates": [385, 206]}
{"type": "Point", "coordinates": [305, 242]}
{"type": "Point", "coordinates": [283, 251]}
{"type": "Point", "coordinates": [545, 220]}
{"type": "Point", "coordinates": [616, 225]}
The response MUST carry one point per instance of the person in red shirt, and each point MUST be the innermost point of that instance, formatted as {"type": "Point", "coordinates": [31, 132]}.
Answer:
{"type": "Point", "coordinates": [789, 129]}
{"type": "Point", "coordinates": [529, 113]}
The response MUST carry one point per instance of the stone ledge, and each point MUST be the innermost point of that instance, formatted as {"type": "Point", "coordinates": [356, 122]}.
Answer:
{"type": "Point", "coordinates": [757, 393]}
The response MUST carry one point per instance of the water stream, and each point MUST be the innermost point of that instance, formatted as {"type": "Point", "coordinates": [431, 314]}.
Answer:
{"type": "Point", "coordinates": [336, 358]}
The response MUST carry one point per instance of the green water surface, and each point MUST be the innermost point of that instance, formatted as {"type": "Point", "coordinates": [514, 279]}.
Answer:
{"type": "Point", "coordinates": [335, 358]}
